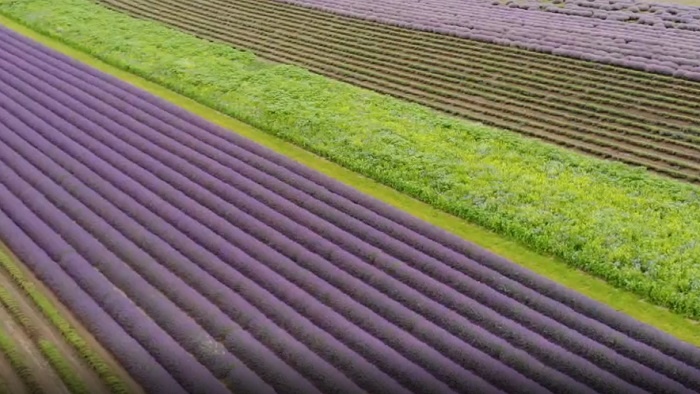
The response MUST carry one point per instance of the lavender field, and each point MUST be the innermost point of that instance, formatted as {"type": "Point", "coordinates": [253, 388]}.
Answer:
{"type": "Point", "coordinates": [649, 37]}
{"type": "Point", "coordinates": [207, 264]}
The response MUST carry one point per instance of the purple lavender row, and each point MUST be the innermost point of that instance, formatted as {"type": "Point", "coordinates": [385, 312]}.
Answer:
{"type": "Point", "coordinates": [138, 362]}
{"type": "Point", "coordinates": [368, 373]}
{"type": "Point", "coordinates": [63, 153]}
{"type": "Point", "coordinates": [289, 379]}
{"type": "Point", "coordinates": [670, 16]}
{"type": "Point", "coordinates": [456, 375]}
{"type": "Point", "coordinates": [545, 350]}
{"type": "Point", "coordinates": [20, 179]}
{"type": "Point", "coordinates": [629, 39]}
{"type": "Point", "coordinates": [261, 231]}
{"type": "Point", "coordinates": [681, 368]}
{"type": "Point", "coordinates": [207, 348]}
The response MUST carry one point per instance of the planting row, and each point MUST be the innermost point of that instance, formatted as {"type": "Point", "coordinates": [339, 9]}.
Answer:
{"type": "Point", "coordinates": [648, 46]}
{"type": "Point", "coordinates": [207, 263]}
{"type": "Point", "coordinates": [663, 135]}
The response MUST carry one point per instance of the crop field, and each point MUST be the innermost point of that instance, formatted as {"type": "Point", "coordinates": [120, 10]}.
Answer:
{"type": "Point", "coordinates": [206, 263]}
{"type": "Point", "coordinates": [344, 196]}
{"type": "Point", "coordinates": [638, 118]}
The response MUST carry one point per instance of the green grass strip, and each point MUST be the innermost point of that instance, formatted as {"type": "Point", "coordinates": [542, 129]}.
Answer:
{"type": "Point", "coordinates": [104, 371]}
{"type": "Point", "coordinates": [8, 348]}
{"type": "Point", "coordinates": [636, 230]}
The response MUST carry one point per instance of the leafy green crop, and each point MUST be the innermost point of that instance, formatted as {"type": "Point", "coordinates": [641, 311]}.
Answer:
{"type": "Point", "coordinates": [637, 230]}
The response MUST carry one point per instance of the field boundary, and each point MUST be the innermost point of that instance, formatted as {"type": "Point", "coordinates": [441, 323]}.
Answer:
{"type": "Point", "coordinates": [623, 301]}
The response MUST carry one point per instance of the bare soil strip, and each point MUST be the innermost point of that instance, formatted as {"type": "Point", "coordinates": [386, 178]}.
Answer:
{"type": "Point", "coordinates": [637, 118]}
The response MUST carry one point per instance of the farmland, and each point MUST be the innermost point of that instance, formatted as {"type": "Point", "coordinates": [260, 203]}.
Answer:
{"type": "Point", "coordinates": [260, 275]}
{"type": "Point", "coordinates": [631, 228]}
{"type": "Point", "coordinates": [637, 118]}
{"type": "Point", "coordinates": [259, 197]}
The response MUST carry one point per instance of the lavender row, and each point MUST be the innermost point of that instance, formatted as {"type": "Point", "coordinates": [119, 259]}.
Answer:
{"type": "Point", "coordinates": [19, 177]}
{"type": "Point", "coordinates": [215, 209]}
{"type": "Point", "coordinates": [137, 361]}
{"type": "Point", "coordinates": [535, 346]}
{"type": "Point", "coordinates": [667, 42]}
{"type": "Point", "coordinates": [203, 345]}
{"type": "Point", "coordinates": [669, 16]}
{"type": "Point", "coordinates": [250, 243]}
{"type": "Point", "coordinates": [184, 294]}
{"type": "Point", "coordinates": [610, 337]}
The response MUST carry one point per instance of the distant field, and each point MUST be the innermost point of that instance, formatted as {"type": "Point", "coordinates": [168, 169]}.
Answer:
{"type": "Point", "coordinates": [634, 117]}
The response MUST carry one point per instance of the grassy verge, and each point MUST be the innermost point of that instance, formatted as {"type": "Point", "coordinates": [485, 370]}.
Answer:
{"type": "Point", "coordinates": [8, 348]}
{"type": "Point", "coordinates": [104, 371]}
{"type": "Point", "coordinates": [636, 230]}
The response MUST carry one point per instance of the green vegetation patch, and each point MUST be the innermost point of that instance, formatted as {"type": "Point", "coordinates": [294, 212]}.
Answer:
{"type": "Point", "coordinates": [632, 228]}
